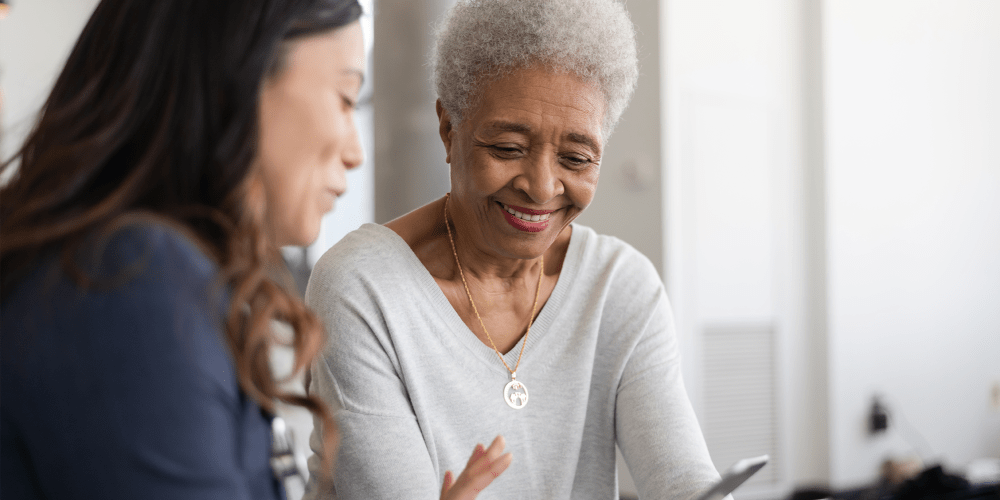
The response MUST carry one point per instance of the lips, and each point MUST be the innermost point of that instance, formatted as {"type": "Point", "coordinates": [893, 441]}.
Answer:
{"type": "Point", "coordinates": [528, 215]}
{"type": "Point", "coordinates": [332, 200]}
{"type": "Point", "coordinates": [526, 219]}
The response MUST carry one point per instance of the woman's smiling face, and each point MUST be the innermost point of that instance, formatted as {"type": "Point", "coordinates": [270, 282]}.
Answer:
{"type": "Point", "coordinates": [525, 160]}
{"type": "Point", "coordinates": [308, 140]}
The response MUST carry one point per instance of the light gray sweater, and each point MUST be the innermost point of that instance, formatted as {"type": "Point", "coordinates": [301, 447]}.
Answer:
{"type": "Point", "coordinates": [414, 389]}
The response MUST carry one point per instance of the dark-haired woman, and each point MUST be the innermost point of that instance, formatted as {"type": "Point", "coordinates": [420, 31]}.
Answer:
{"type": "Point", "coordinates": [183, 142]}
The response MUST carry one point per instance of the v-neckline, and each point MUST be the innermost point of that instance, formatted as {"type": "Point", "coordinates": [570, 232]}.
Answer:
{"type": "Point", "coordinates": [466, 336]}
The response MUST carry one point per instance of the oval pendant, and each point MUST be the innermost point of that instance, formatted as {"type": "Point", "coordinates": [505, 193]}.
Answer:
{"type": "Point", "coordinates": [515, 394]}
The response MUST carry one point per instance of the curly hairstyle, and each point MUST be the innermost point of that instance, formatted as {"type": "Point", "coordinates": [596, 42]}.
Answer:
{"type": "Point", "coordinates": [154, 118]}
{"type": "Point", "coordinates": [481, 40]}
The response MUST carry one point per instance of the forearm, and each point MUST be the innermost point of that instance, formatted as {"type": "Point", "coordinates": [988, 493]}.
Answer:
{"type": "Point", "coordinates": [657, 429]}
{"type": "Point", "coordinates": [661, 440]}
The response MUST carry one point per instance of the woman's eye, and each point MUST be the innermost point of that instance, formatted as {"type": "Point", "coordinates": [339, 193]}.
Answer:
{"type": "Point", "coordinates": [575, 161]}
{"type": "Point", "coordinates": [506, 152]}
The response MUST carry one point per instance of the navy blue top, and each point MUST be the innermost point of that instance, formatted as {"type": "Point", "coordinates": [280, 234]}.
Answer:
{"type": "Point", "coordinates": [127, 389]}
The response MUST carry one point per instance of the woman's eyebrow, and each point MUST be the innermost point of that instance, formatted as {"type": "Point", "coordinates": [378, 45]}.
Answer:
{"type": "Point", "coordinates": [577, 137]}
{"type": "Point", "coordinates": [584, 139]}
{"type": "Point", "coordinates": [505, 126]}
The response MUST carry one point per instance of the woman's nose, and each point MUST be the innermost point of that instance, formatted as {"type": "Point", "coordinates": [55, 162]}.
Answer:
{"type": "Point", "coordinates": [353, 155]}
{"type": "Point", "coordinates": [539, 178]}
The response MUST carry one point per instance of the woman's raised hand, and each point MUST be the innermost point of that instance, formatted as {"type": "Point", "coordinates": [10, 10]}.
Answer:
{"type": "Point", "coordinates": [484, 466]}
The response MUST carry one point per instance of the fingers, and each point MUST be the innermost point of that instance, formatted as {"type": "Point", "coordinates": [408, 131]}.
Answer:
{"type": "Point", "coordinates": [491, 464]}
{"type": "Point", "coordinates": [484, 477]}
{"type": "Point", "coordinates": [476, 453]}
{"type": "Point", "coordinates": [483, 467]}
{"type": "Point", "coordinates": [496, 447]}
{"type": "Point", "coordinates": [491, 455]}
{"type": "Point", "coordinates": [449, 480]}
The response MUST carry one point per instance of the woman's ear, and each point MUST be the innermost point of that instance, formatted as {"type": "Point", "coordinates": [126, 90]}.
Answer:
{"type": "Point", "coordinates": [444, 129]}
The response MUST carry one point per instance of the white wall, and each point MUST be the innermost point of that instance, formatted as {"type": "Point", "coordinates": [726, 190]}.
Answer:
{"type": "Point", "coordinates": [408, 150]}
{"type": "Point", "coordinates": [832, 171]}
{"type": "Point", "coordinates": [913, 178]}
{"type": "Point", "coordinates": [35, 39]}
{"type": "Point", "coordinates": [737, 226]}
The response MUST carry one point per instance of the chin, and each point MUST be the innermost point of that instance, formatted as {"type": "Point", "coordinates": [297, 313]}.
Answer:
{"type": "Point", "coordinates": [526, 249]}
{"type": "Point", "coordinates": [309, 239]}
{"type": "Point", "coordinates": [303, 238]}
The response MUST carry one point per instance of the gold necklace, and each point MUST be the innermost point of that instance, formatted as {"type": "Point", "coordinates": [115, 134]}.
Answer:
{"type": "Point", "coordinates": [515, 394]}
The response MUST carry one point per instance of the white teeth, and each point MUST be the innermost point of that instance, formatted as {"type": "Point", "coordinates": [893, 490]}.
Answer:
{"type": "Point", "coordinates": [526, 217]}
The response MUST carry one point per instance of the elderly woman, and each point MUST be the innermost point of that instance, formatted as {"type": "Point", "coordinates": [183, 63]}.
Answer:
{"type": "Point", "coordinates": [489, 311]}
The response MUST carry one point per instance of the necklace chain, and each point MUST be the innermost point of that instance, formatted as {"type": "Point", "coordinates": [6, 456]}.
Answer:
{"type": "Point", "coordinates": [534, 307]}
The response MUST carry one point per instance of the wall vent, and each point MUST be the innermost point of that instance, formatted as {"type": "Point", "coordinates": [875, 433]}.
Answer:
{"type": "Point", "coordinates": [740, 398]}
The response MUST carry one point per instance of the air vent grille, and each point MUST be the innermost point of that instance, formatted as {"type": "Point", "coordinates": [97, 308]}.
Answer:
{"type": "Point", "coordinates": [740, 404]}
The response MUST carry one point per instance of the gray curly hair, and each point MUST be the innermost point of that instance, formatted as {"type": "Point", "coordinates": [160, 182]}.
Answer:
{"type": "Point", "coordinates": [481, 40]}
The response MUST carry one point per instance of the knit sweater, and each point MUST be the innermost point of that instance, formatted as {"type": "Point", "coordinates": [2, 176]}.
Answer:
{"type": "Point", "coordinates": [414, 389]}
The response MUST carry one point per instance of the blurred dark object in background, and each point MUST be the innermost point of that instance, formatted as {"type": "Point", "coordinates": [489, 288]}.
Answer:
{"type": "Point", "coordinates": [936, 483]}
{"type": "Point", "coordinates": [931, 484]}
{"type": "Point", "coordinates": [897, 471]}
{"type": "Point", "coordinates": [810, 493]}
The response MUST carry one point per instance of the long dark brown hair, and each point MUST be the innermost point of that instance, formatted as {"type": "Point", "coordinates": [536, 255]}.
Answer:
{"type": "Point", "coordinates": [155, 117]}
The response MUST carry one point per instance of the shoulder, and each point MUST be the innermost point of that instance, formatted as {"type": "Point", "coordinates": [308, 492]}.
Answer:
{"type": "Point", "coordinates": [368, 251]}
{"type": "Point", "coordinates": [612, 273]}
{"type": "Point", "coordinates": [154, 304]}
{"type": "Point", "coordinates": [142, 284]}
{"type": "Point", "coordinates": [148, 271]}
{"type": "Point", "coordinates": [421, 224]}
{"type": "Point", "coordinates": [150, 257]}
{"type": "Point", "coordinates": [369, 264]}
{"type": "Point", "coordinates": [605, 256]}
{"type": "Point", "coordinates": [158, 246]}
{"type": "Point", "coordinates": [624, 285]}
{"type": "Point", "coordinates": [166, 266]}
{"type": "Point", "coordinates": [153, 268]}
